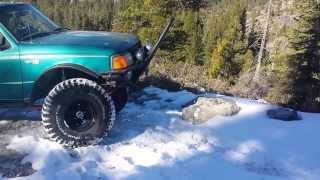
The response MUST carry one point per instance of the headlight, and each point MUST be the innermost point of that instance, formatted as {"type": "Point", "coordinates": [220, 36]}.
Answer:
{"type": "Point", "coordinates": [130, 59]}
{"type": "Point", "coordinates": [119, 62]}
{"type": "Point", "coordinates": [140, 54]}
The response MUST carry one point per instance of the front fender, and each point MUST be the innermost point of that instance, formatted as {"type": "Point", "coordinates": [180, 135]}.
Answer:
{"type": "Point", "coordinates": [75, 67]}
{"type": "Point", "coordinates": [58, 73]}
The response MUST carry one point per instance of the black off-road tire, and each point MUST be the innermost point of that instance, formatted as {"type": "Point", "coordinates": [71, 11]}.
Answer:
{"type": "Point", "coordinates": [78, 112]}
{"type": "Point", "coordinates": [120, 98]}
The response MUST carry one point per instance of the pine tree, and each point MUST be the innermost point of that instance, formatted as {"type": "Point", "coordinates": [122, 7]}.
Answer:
{"type": "Point", "coordinates": [304, 61]}
{"type": "Point", "coordinates": [193, 27]}
{"type": "Point", "coordinates": [231, 54]}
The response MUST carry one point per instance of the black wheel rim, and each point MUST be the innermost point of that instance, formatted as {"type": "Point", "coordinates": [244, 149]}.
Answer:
{"type": "Point", "coordinates": [79, 115]}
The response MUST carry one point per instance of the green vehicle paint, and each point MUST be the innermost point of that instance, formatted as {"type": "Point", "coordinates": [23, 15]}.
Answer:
{"type": "Point", "coordinates": [10, 68]}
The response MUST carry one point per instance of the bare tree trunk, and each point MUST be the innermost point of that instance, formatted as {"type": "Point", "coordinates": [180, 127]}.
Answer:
{"type": "Point", "coordinates": [263, 42]}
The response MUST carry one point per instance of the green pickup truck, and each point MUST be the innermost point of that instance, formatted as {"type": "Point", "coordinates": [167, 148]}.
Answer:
{"type": "Point", "coordinates": [82, 77]}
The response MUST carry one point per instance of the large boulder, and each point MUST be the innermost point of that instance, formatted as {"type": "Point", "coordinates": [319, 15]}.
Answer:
{"type": "Point", "coordinates": [283, 114]}
{"type": "Point", "coordinates": [203, 109]}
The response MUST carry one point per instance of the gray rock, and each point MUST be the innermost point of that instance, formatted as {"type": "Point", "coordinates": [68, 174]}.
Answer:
{"type": "Point", "coordinates": [283, 114]}
{"type": "Point", "coordinates": [11, 165]}
{"type": "Point", "coordinates": [205, 108]}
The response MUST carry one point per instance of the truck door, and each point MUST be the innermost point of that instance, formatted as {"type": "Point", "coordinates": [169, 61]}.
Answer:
{"type": "Point", "coordinates": [10, 72]}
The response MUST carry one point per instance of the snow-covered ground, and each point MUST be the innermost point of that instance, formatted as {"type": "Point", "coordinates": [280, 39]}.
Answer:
{"type": "Point", "coordinates": [150, 141]}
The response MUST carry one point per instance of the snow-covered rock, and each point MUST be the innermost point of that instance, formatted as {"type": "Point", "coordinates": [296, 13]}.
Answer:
{"type": "Point", "coordinates": [206, 108]}
{"type": "Point", "coordinates": [283, 114]}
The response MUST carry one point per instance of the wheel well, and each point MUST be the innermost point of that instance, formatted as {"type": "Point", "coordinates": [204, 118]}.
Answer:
{"type": "Point", "coordinates": [51, 78]}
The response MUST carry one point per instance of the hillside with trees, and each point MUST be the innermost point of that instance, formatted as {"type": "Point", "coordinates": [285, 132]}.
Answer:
{"type": "Point", "coordinates": [251, 48]}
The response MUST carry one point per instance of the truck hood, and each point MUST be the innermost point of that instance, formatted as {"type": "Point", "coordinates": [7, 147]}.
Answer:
{"type": "Point", "coordinates": [117, 42]}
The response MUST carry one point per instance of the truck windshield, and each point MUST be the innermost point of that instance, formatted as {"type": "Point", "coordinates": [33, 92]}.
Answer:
{"type": "Point", "coordinates": [25, 22]}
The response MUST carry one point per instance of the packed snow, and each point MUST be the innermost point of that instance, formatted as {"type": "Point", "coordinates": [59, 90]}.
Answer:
{"type": "Point", "coordinates": [151, 141]}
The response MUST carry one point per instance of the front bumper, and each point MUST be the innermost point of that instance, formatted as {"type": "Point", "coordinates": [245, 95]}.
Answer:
{"type": "Point", "coordinates": [126, 77]}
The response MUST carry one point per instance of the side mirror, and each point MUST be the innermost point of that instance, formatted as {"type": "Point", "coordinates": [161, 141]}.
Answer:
{"type": "Point", "coordinates": [2, 41]}
{"type": "Point", "coordinates": [148, 45]}
{"type": "Point", "coordinates": [4, 45]}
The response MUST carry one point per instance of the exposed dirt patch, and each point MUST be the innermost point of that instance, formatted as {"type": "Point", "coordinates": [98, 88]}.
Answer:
{"type": "Point", "coordinates": [13, 123]}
